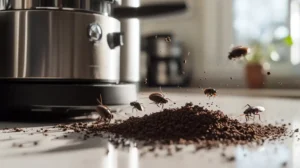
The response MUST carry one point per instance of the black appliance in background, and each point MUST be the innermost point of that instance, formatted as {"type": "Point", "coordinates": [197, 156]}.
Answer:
{"type": "Point", "coordinates": [165, 61]}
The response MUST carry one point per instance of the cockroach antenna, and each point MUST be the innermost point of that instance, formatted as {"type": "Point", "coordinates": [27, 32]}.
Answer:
{"type": "Point", "coordinates": [100, 101]}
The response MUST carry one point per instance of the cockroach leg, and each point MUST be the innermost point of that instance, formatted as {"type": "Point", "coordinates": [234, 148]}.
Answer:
{"type": "Point", "coordinates": [258, 116]}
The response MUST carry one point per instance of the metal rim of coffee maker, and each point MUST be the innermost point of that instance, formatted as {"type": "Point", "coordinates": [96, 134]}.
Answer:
{"type": "Point", "coordinates": [103, 7]}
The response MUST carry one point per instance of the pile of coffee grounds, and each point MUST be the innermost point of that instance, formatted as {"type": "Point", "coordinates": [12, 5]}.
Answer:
{"type": "Point", "coordinates": [187, 125]}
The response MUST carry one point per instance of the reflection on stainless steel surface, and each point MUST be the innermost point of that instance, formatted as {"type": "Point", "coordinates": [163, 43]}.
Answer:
{"type": "Point", "coordinates": [98, 6]}
{"type": "Point", "coordinates": [130, 52]}
{"type": "Point", "coordinates": [55, 44]}
{"type": "Point", "coordinates": [133, 158]}
{"type": "Point", "coordinates": [111, 160]}
{"type": "Point", "coordinates": [3, 4]}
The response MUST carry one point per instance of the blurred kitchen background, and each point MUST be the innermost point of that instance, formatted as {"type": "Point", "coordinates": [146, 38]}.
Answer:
{"type": "Point", "coordinates": [191, 48]}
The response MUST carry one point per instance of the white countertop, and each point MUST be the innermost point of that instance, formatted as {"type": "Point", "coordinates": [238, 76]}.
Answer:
{"type": "Point", "coordinates": [74, 153]}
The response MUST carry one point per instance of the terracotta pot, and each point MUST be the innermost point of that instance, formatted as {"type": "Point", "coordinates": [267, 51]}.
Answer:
{"type": "Point", "coordinates": [255, 76]}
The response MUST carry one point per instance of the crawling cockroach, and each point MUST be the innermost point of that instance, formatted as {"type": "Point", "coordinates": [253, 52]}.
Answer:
{"type": "Point", "coordinates": [238, 52]}
{"type": "Point", "coordinates": [252, 111]}
{"type": "Point", "coordinates": [210, 92]}
{"type": "Point", "coordinates": [137, 106]}
{"type": "Point", "coordinates": [159, 98]}
{"type": "Point", "coordinates": [189, 104]}
{"type": "Point", "coordinates": [104, 111]}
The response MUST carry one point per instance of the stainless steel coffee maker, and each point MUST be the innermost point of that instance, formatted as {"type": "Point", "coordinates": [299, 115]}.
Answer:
{"type": "Point", "coordinates": [60, 55]}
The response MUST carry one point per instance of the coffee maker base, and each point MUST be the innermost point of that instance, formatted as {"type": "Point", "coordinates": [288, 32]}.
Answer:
{"type": "Point", "coordinates": [70, 99]}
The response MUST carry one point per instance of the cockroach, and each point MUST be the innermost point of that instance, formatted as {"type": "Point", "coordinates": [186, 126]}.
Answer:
{"type": "Point", "coordinates": [252, 111]}
{"type": "Point", "coordinates": [210, 92]}
{"type": "Point", "coordinates": [238, 52]}
{"type": "Point", "coordinates": [159, 98]}
{"type": "Point", "coordinates": [104, 111]}
{"type": "Point", "coordinates": [137, 106]}
{"type": "Point", "coordinates": [189, 104]}
{"type": "Point", "coordinates": [168, 39]}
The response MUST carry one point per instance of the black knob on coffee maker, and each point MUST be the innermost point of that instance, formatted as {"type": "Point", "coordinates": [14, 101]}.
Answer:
{"type": "Point", "coordinates": [115, 39]}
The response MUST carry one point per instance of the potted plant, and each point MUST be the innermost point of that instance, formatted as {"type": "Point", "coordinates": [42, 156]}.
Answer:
{"type": "Point", "coordinates": [254, 70]}
{"type": "Point", "coordinates": [260, 53]}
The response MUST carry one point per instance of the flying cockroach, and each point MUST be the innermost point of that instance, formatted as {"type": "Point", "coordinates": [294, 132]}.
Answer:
{"type": "Point", "coordinates": [210, 92]}
{"type": "Point", "coordinates": [238, 52]}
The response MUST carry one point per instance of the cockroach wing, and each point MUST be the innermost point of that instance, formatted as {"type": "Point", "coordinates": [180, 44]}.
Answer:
{"type": "Point", "coordinates": [249, 50]}
{"type": "Point", "coordinates": [260, 108]}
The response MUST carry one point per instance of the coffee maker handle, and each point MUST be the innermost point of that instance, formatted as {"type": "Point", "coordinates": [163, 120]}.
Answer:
{"type": "Point", "coordinates": [148, 10]}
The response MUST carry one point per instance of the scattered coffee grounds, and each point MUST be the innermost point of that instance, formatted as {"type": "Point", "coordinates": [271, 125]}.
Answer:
{"type": "Point", "coordinates": [152, 149]}
{"type": "Point", "coordinates": [223, 154]}
{"type": "Point", "coordinates": [192, 125]}
{"type": "Point", "coordinates": [18, 130]}
{"type": "Point", "coordinates": [231, 159]}
{"type": "Point", "coordinates": [142, 154]}
{"type": "Point", "coordinates": [169, 152]}
{"type": "Point", "coordinates": [284, 164]}
{"type": "Point", "coordinates": [178, 149]}
{"type": "Point", "coordinates": [168, 39]}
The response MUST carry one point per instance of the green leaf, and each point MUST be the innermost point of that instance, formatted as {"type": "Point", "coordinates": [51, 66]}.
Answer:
{"type": "Point", "coordinates": [288, 40]}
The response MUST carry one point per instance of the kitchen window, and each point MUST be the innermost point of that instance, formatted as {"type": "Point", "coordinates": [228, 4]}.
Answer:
{"type": "Point", "coordinates": [239, 22]}
{"type": "Point", "coordinates": [265, 21]}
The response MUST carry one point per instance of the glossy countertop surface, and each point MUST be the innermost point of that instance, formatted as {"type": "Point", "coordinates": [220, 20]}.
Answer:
{"type": "Point", "coordinates": [56, 151]}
